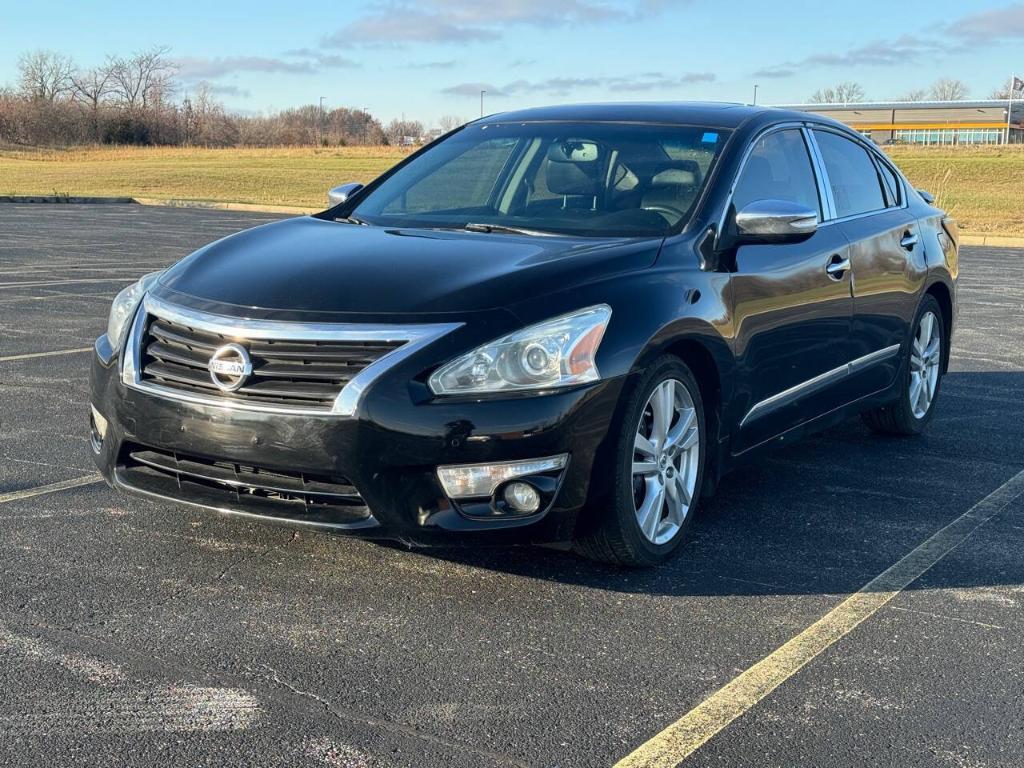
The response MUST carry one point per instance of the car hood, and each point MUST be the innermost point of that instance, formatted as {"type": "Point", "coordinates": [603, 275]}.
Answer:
{"type": "Point", "coordinates": [314, 265]}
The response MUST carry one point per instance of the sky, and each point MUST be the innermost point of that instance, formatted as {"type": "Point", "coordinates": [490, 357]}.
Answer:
{"type": "Point", "coordinates": [425, 59]}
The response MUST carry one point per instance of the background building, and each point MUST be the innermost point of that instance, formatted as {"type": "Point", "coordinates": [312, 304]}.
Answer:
{"type": "Point", "coordinates": [928, 122]}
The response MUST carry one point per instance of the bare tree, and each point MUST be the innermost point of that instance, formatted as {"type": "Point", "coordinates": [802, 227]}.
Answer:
{"type": "Point", "coordinates": [1004, 91]}
{"type": "Point", "coordinates": [450, 123]}
{"type": "Point", "coordinates": [90, 89]}
{"type": "Point", "coordinates": [144, 79]}
{"type": "Point", "coordinates": [917, 94]}
{"type": "Point", "coordinates": [847, 92]}
{"type": "Point", "coordinates": [44, 75]}
{"type": "Point", "coordinates": [403, 131]}
{"type": "Point", "coordinates": [949, 89]}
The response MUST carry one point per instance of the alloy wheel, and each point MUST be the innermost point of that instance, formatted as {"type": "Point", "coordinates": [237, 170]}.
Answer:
{"type": "Point", "coordinates": [666, 454]}
{"type": "Point", "coordinates": [925, 356]}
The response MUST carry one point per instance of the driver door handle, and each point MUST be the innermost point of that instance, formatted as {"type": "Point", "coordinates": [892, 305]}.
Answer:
{"type": "Point", "coordinates": [909, 241]}
{"type": "Point", "coordinates": [837, 266]}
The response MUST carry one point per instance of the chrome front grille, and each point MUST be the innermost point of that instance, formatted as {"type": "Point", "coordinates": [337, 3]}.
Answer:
{"type": "Point", "coordinates": [289, 367]}
{"type": "Point", "coordinates": [307, 374]}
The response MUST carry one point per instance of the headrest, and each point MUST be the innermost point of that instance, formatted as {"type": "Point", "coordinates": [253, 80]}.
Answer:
{"type": "Point", "coordinates": [675, 177]}
{"type": "Point", "coordinates": [573, 178]}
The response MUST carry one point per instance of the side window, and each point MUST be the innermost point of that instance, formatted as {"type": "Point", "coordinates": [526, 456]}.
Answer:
{"type": "Point", "coordinates": [893, 188]}
{"type": "Point", "coordinates": [851, 175]}
{"type": "Point", "coordinates": [778, 168]}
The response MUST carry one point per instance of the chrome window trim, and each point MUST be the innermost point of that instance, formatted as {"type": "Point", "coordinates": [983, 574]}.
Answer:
{"type": "Point", "coordinates": [787, 396]}
{"type": "Point", "coordinates": [872, 153]}
{"type": "Point", "coordinates": [415, 336]}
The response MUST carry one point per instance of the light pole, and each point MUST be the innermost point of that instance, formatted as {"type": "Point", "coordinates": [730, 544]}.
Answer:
{"type": "Point", "coordinates": [482, 103]}
{"type": "Point", "coordinates": [755, 93]}
{"type": "Point", "coordinates": [321, 120]}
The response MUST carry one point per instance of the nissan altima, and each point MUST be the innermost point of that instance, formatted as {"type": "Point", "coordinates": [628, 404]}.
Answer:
{"type": "Point", "coordinates": [561, 325]}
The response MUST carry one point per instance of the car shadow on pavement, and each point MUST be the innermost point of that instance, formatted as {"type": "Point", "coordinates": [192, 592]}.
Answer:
{"type": "Point", "coordinates": [827, 514]}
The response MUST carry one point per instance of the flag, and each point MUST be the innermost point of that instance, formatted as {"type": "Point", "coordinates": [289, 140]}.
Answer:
{"type": "Point", "coordinates": [1018, 84]}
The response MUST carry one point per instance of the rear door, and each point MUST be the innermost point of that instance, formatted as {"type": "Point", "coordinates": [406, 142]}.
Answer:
{"type": "Point", "coordinates": [886, 255]}
{"type": "Point", "coordinates": [792, 313]}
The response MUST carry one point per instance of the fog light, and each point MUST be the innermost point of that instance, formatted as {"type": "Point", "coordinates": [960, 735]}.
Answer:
{"type": "Point", "coordinates": [522, 497]}
{"type": "Point", "coordinates": [98, 429]}
{"type": "Point", "coordinates": [477, 480]}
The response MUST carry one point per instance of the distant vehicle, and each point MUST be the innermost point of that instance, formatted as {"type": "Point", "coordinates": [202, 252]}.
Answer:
{"type": "Point", "coordinates": [558, 325]}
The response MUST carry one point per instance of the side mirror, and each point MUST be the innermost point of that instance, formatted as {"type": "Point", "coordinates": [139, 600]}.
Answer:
{"type": "Point", "coordinates": [775, 221]}
{"type": "Point", "coordinates": [928, 197]}
{"type": "Point", "coordinates": [340, 194]}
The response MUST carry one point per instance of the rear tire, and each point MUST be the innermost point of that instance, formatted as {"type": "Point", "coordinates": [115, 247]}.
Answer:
{"type": "Point", "coordinates": [659, 470]}
{"type": "Point", "coordinates": [920, 377]}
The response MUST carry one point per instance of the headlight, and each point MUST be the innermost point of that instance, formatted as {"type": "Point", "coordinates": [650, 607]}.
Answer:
{"type": "Point", "coordinates": [556, 353]}
{"type": "Point", "coordinates": [123, 309]}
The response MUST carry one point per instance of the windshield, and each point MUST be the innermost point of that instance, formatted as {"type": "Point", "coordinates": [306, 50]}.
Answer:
{"type": "Point", "coordinates": [591, 179]}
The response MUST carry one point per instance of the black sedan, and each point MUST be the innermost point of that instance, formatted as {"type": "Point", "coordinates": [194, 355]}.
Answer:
{"type": "Point", "coordinates": [560, 325]}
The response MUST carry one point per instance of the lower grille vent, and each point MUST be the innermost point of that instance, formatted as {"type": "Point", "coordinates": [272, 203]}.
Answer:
{"type": "Point", "coordinates": [243, 487]}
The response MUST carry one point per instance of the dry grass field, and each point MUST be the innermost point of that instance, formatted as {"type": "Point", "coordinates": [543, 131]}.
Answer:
{"type": "Point", "coordinates": [982, 187]}
{"type": "Point", "coordinates": [295, 176]}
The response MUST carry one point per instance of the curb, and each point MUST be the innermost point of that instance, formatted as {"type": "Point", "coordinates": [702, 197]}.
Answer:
{"type": "Point", "coordinates": [208, 204]}
{"type": "Point", "coordinates": [993, 241]}
{"type": "Point", "coordinates": [217, 206]}
{"type": "Point", "coordinates": [64, 199]}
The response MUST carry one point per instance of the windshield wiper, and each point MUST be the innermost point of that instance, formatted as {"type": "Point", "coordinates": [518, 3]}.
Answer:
{"type": "Point", "coordinates": [352, 220]}
{"type": "Point", "coordinates": [478, 227]}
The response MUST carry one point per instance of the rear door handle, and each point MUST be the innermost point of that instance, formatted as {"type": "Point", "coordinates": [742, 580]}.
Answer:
{"type": "Point", "coordinates": [837, 266]}
{"type": "Point", "coordinates": [909, 241]}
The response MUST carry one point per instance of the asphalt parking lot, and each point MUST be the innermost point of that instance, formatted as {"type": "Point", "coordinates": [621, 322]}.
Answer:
{"type": "Point", "coordinates": [141, 633]}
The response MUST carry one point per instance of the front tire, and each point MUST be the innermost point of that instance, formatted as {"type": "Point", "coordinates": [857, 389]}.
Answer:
{"type": "Point", "coordinates": [921, 377]}
{"type": "Point", "coordinates": [659, 470]}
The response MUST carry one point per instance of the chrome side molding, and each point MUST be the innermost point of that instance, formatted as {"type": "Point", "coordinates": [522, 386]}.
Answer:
{"type": "Point", "coordinates": [819, 382]}
{"type": "Point", "coordinates": [415, 337]}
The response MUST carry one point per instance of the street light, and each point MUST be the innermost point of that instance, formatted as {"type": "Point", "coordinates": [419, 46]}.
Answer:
{"type": "Point", "coordinates": [482, 103]}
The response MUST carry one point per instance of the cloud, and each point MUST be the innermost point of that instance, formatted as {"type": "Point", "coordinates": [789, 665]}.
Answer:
{"type": "Point", "coordinates": [397, 22]}
{"type": "Point", "coordinates": [561, 86]}
{"type": "Point", "coordinates": [208, 68]}
{"type": "Point", "coordinates": [1005, 23]}
{"type": "Point", "coordinates": [880, 53]}
{"type": "Point", "coordinates": [775, 72]}
{"type": "Point", "coordinates": [446, 64]}
{"type": "Point", "coordinates": [959, 36]}
{"type": "Point", "coordinates": [193, 68]}
{"type": "Point", "coordinates": [229, 90]}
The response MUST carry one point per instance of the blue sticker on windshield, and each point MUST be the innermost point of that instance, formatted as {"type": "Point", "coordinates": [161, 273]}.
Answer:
{"type": "Point", "coordinates": [709, 138]}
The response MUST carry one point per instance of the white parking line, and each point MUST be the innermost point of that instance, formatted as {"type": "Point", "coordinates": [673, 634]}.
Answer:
{"type": "Point", "coordinates": [63, 485]}
{"type": "Point", "coordinates": [30, 355]}
{"type": "Point", "coordinates": [690, 732]}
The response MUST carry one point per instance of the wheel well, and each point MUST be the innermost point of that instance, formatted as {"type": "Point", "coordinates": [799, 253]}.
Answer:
{"type": "Point", "coordinates": [945, 300]}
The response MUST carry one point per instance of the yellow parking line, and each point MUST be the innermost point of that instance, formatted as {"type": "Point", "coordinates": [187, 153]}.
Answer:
{"type": "Point", "coordinates": [685, 736]}
{"type": "Point", "coordinates": [63, 485]}
{"type": "Point", "coordinates": [45, 354]}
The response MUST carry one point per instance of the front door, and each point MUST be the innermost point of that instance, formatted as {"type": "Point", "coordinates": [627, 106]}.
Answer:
{"type": "Point", "coordinates": [792, 303]}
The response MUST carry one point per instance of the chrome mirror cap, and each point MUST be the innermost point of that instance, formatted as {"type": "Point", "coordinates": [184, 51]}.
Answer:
{"type": "Point", "coordinates": [341, 193]}
{"type": "Point", "coordinates": [774, 220]}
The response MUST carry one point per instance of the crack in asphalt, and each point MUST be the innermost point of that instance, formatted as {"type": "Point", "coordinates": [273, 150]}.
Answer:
{"type": "Point", "coordinates": [401, 729]}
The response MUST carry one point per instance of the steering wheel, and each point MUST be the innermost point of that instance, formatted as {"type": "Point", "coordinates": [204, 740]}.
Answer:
{"type": "Point", "coordinates": [672, 214]}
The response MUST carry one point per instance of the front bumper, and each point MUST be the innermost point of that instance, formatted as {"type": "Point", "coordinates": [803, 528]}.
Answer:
{"type": "Point", "coordinates": [388, 451]}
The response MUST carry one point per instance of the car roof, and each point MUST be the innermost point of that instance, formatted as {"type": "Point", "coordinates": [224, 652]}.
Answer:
{"type": "Point", "coordinates": [710, 113]}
